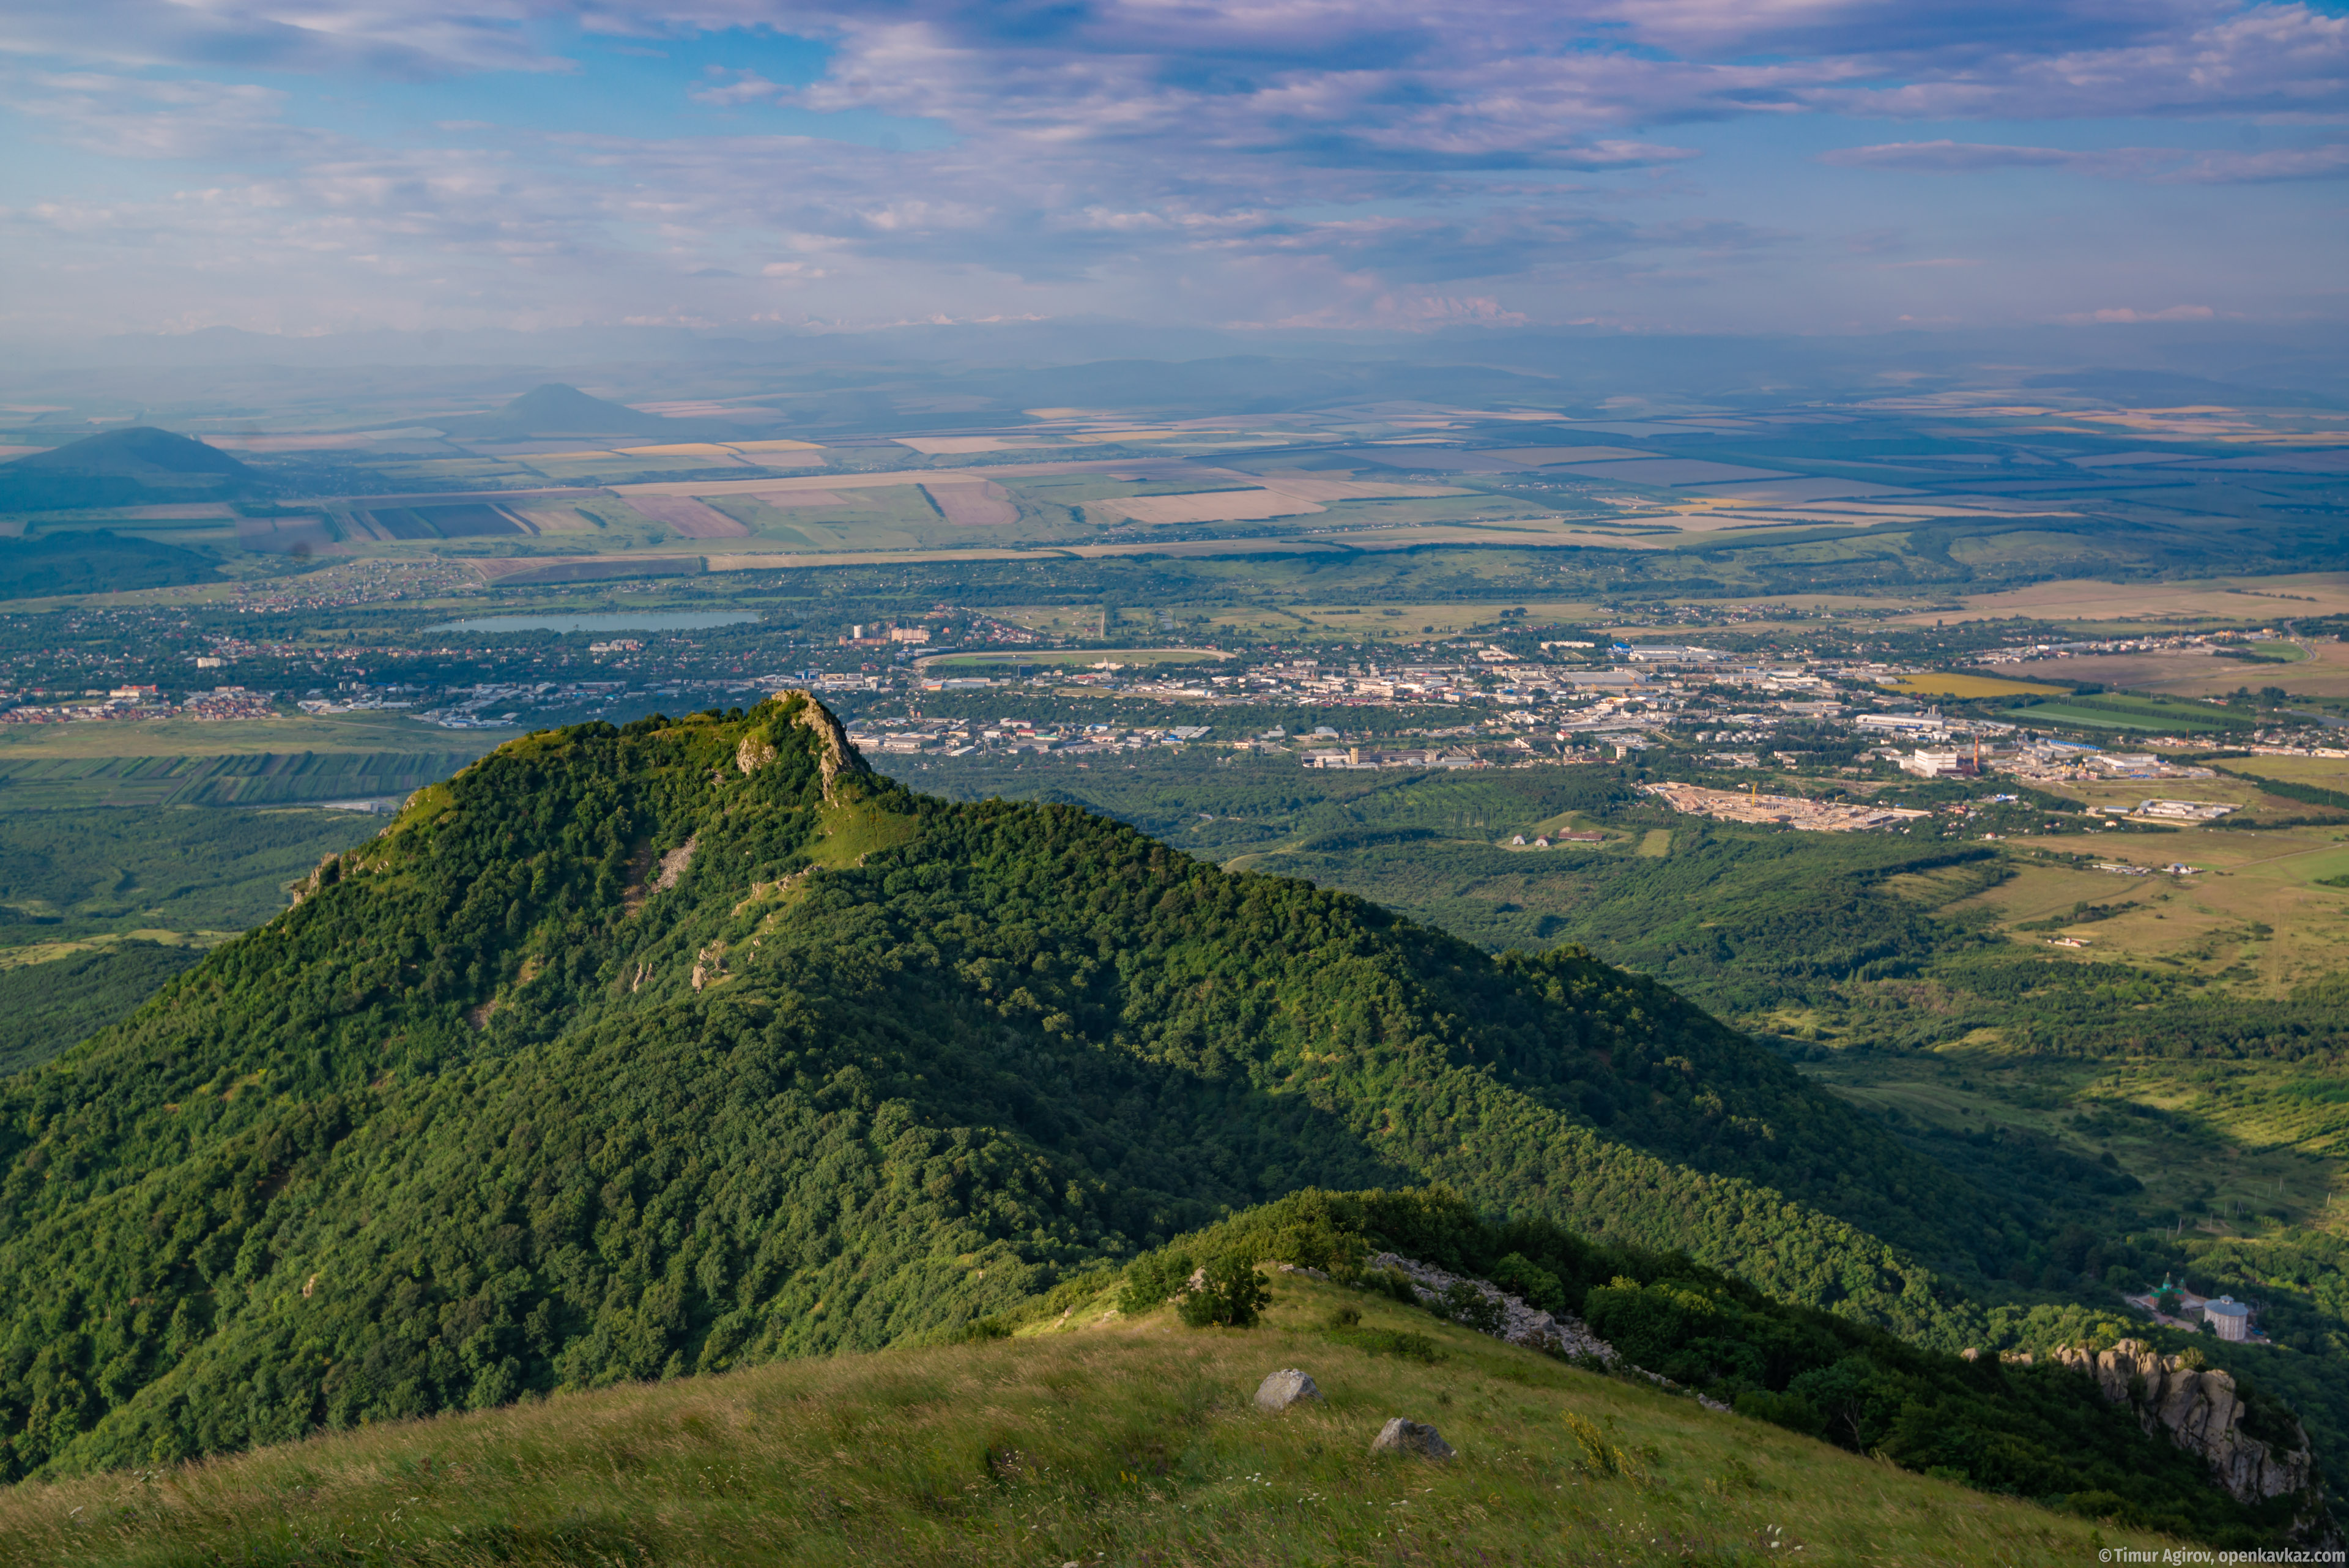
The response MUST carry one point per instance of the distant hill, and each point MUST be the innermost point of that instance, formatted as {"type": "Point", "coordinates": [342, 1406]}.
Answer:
{"type": "Point", "coordinates": [97, 562]}
{"type": "Point", "coordinates": [632, 1052]}
{"type": "Point", "coordinates": [137, 466]}
{"type": "Point", "coordinates": [556, 409]}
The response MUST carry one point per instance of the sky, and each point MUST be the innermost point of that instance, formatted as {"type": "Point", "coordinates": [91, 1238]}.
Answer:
{"type": "Point", "coordinates": [1745, 166]}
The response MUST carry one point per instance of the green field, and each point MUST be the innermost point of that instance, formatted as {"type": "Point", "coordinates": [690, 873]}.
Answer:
{"type": "Point", "coordinates": [300, 760]}
{"type": "Point", "coordinates": [2142, 717]}
{"type": "Point", "coordinates": [362, 731]}
{"type": "Point", "coordinates": [66, 875]}
{"type": "Point", "coordinates": [267, 778]}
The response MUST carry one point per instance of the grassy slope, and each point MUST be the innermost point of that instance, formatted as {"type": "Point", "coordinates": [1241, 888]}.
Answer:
{"type": "Point", "coordinates": [1100, 1439]}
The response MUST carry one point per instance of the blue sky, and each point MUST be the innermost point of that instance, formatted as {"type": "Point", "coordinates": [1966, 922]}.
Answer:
{"type": "Point", "coordinates": [1656, 165]}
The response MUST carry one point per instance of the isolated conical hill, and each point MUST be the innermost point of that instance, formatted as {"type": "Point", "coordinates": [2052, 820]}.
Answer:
{"type": "Point", "coordinates": [136, 464]}
{"type": "Point", "coordinates": [629, 1053]}
{"type": "Point", "coordinates": [139, 450]}
{"type": "Point", "coordinates": [556, 410]}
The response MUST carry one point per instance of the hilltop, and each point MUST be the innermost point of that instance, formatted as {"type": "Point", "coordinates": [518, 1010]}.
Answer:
{"type": "Point", "coordinates": [138, 466]}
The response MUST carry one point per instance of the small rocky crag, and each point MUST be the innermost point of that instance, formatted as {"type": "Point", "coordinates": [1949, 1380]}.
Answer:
{"type": "Point", "coordinates": [1401, 1437]}
{"type": "Point", "coordinates": [1285, 1387]}
{"type": "Point", "coordinates": [1521, 1324]}
{"type": "Point", "coordinates": [2202, 1413]}
{"type": "Point", "coordinates": [835, 755]}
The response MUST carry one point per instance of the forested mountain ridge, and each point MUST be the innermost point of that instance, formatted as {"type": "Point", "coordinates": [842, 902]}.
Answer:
{"type": "Point", "coordinates": [628, 1053]}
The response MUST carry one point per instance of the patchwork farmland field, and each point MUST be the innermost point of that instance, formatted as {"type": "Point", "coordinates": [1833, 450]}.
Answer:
{"type": "Point", "coordinates": [1219, 506]}
{"type": "Point", "coordinates": [689, 518]}
{"type": "Point", "coordinates": [972, 503]}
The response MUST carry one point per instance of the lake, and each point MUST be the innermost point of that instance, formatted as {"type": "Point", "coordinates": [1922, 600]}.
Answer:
{"type": "Point", "coordinates": [680, 620]}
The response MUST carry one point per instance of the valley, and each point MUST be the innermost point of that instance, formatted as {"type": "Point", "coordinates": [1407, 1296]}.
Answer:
{"type": "Point", "coordinates": [1208, 786]}
{"type": "Point", "coordinates": [636, 1025]}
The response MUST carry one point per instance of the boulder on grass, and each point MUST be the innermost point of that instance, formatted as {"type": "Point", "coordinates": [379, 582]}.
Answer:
{"type": "Point", "coordinates": [1401, 1437]}
{"type": "Point", "coordinates": [1284, 1388]}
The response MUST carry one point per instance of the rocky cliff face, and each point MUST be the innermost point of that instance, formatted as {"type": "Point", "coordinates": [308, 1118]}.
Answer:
{"type": "Point", "coordinates": [835, 755]}
{"type": "Point", "coordinates": [2202, 1413]}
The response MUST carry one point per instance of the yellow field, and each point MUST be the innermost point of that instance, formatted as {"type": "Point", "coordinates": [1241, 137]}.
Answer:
{"type": "Point", "coordinates": [1939, 685]}
{"type": "Point", "coordinates": [1075, 656]}
{"type": "Point", "coordinates": [2277, 1149]}
{"type": "Point", "coordinates": [1448, 618]}
{"type": "Point", "coordinates": [2211, 600]}
{"type": "Point", "coordinates": [2255, 915]}
{"type": "Point", "coordinates": [2325, 773]}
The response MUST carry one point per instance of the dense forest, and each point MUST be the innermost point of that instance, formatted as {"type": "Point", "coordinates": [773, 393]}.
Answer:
{"type": "Point", "coordinates": [44, 1007]}
{"type": "Point", "coordinates": [632, 1052]}
{"type": "Point", "coordinates": [1873, 939]}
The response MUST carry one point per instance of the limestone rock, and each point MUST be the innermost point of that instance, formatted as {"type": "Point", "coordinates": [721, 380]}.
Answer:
{"type": "Point", "coordinates": [1521, 1324]}
{"type": "Point", "coordinates": [1285, 1387]}
{"type": "Point", "coordinates": [326, 873]}
{"type": "Point", "coordinates": [673, 864]}
{"type": "Point", "coordinates": [755, 752]}
{"type": "Point", "coordinates": [2200, 1409]}
{"type": "Point", "coordinates": [1401, 1437]}
{"type": "Point", "coordinates": [835, 755]}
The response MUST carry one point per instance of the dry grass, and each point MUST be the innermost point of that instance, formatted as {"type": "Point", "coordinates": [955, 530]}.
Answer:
{"type": "Point", "coordinates": [1129, 1444]}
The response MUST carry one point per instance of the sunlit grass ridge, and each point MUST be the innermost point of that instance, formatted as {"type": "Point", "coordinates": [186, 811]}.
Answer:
{"type": "Point", "coordinates": [1101, 1440]}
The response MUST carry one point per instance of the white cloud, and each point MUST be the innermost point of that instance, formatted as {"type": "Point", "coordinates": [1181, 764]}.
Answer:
{"type": "Point", "coordinates": [2175, 165]}
{"type": "Point", "coordinates": [387, 36]}
{"type": "Point", "coordinates": [1273, 159]}
{"type": "Point", "coordinates": [2123, 314]}
{"type": "Point", "coordinates": [130, 117]}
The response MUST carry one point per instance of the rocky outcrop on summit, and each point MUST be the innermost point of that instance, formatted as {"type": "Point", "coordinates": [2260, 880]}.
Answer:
{"type": "Point", "coordinates": [1520, 1322]}
{"type": "Point", "coordinates": [834, 757]}
{"type": "Point", "coordinates": [2202, 1412]}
